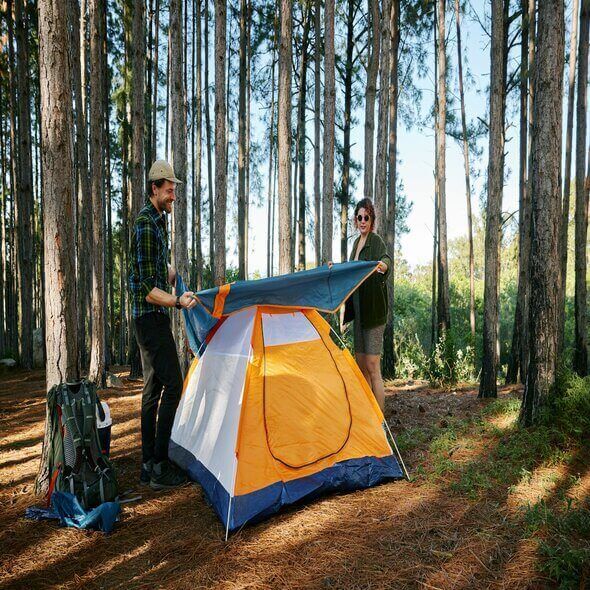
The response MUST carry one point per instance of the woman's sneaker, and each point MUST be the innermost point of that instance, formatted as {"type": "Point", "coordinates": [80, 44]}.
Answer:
{"type": "Point", "coordinates": [146, 473]}
{"type": "Point", "coordinates": [166, 476]}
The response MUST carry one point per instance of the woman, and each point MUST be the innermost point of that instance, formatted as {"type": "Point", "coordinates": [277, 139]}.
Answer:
{"type": "Point", "coordinates": [368, 305]}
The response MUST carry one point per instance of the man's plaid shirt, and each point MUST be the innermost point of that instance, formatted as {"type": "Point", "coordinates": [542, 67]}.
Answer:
{"type": "Point", "coordinates": [148, 259]}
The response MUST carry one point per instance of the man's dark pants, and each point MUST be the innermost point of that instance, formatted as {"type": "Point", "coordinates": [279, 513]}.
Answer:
{"type": "Point", "coordinates": [162, 383]}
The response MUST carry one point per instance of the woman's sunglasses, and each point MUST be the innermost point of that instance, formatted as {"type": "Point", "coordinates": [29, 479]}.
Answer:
{"type": "Point", "coordinates": [361, 217]}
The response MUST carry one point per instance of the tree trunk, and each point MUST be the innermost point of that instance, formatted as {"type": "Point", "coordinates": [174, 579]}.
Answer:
{"type": "Point", "coordinates": [3, 238]}
{"type": "Point", "coordinates": [59, 203]}
{"type": "Point", "coordinates": [84, 201]}
{"type": "Point", "coordinates": [149, 106]}
{"type": "Point", "coordinates": [383, 120]}
{"type": "Point", "coordinates": [370, 93]}
{"type": "Point", "coordinates": [209, 144]}
{"type": "Point", "coordinates": [198, 149]}
{"type": "Point", "coordinates": [329, 124]}
{"type": "Point", "coordinates": [581, 215]}
{"type": "Point", "coordinates": [14, 173]}
{"type": "Point", "coordinates": [301, 111]}
{"type": "Point", "coordinates": [443, 304]}
{"type": "Point", "coordinates": [97, 348]}
{"type": "Point", "coordinates": [156, 80]}
{"type": "Point", "coordinates": [220, 142]}
{"type": "Point", "coordinates": [284, 136]}
{"type": "Point", "coordinates": [317, 234]}
{"type": "Point", "coordinates": [345, 186]}
{"type": "Point", "coordinates": [565, 207]}
{"type": "Point", "coordinates": [178, 160]}
{"type": "Point", "coordinates": [546, 208]}
{"type": "Point", "coordinates": [467, 175]}
{"type": "Point", "coordinates": [248, 117]}
{"type": "Point", "coordinates": [524, 209]}
{"type": "Point", "coordinates": [24, 193]}
{"type": "Point", "coordinates": [242, 145]}
{"type": "Point", "coordinates": [271, 140]}
{"type": "Point", "coordinates": [488, 387]}
{"type": "Point", "coordinates": [526, 242]}
{"type": "Point", "coordinates": [138, 65]}
{"type": "Point", "coordinates": [389, 359]}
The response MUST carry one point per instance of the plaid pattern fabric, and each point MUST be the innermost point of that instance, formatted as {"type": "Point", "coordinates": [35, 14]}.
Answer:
{"type": "Point", "coordinates": [148, 259]}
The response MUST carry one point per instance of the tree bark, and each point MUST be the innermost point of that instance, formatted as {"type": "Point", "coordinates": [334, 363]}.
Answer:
{"type": "Point", "coordinates": [383, 120]}
{"type": "Point", "coordinates": [581, 215]}
{"type": "Point", "coordinates": [524, 209]}
{"type": "Point", "coordinates": [284, 136]}
{"type": "Point", "coordinates": [389, 359]}
{"type": "Point", "coordinates": [138, 65]}
{"type": "Point", "coordinates": [487, 386]}
{"type": "Point", "coordinates": [3, 237]}
{"type": "Point", "coordinates": [370, 94]}
{"type": "Point", "coordinates": [443, 304]}
{"type": "Point", "coordinates": [317, 233]}
{"type": "Point", "coordinates": [178, 160]}
{"type": "Point", "coordinates": [97, 371]}
{"type": "Point", "coordinates": [209, 144]}
{"type": "Point", "coordinates": [24, 192]}
{"type": "Point", "coordinates": [565, 207]}
{"type": "Point", "coordinates": [198, 149]}
{"type": "Point", "coordinates": [220, 142]}
{"type": "Point", "coordinates": [329, 123]}
{"type": "Point", "coordinates": [271, 141]}
{"type": "Point", "coordinates": [84, 200]}
{"type": "Point", "coordinates": [345, 183]}
{"type": "Point", "coordinates": [59, 202]}
{"type": "Point", "coordinates": [467, 175]}
{"type": "Point", "coordinates": [546, 208]}
{"type": "Point", "coordinates": [242, 145]}
{"type": "Point", "coordinates": [301, 111]}
{"type": "Point", "coordinates": [156, 76]}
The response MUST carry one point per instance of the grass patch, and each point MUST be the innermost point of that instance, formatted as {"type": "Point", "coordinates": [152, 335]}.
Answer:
{"type": "Point", "coordinates": [563, 535]}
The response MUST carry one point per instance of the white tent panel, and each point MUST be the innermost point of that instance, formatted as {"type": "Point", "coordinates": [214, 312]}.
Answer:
{"type": "Point", "coordinates": [286, 328]}
{"type": "Point", "coordinates": [208, 415]}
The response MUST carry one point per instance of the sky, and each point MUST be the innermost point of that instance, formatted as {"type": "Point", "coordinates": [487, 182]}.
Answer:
{"type": "Point", "coordinates": [416, 160]}
{"type": "Point", "coordinates": [415, 154]}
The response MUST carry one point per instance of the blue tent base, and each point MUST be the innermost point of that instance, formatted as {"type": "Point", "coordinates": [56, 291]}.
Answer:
{"type": "Point", "coordinates": [346, 476]}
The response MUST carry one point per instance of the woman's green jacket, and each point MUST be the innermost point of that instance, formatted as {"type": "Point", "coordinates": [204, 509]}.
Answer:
{"type": "Point", "coordinates": [373, 292]}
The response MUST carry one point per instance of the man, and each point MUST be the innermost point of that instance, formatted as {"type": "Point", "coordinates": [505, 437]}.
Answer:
{"type": "Point", "coordinates": [149, 277]}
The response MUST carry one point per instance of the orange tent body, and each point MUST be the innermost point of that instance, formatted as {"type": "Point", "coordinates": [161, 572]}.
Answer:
{"type": "Point", "coordinates": [275, 413]}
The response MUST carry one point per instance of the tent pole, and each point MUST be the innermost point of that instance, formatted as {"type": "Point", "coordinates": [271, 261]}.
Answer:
{"type": "Point", "coordinates": [228, 517]}
{"type": "Point", "coordinates": [397, 450]}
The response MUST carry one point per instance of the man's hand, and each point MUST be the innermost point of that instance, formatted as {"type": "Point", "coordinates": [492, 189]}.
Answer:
{"type": "Point", "coordinates": [187, 300]}
{"type": "Point", "coordinates": [382, 268]}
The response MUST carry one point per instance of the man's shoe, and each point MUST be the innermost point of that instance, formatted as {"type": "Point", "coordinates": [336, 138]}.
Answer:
{"type": "Point", "coordinates": [166, 476]}
{"type": "Point", "coordinates": [146, 472]}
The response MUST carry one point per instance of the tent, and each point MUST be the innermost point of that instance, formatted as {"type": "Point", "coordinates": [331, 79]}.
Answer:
{"type": "Point", "coordinates": [273, 411]}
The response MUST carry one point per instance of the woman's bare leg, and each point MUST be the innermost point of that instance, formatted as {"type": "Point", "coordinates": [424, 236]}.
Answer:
{"type": "Point", "coordinates": [373, 366]}
{"type": "Point", "coordinates": [360, 361]}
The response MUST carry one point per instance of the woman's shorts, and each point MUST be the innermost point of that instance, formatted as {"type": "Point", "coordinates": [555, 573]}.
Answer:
{"type": "Point", "coordinates": [369, 340]}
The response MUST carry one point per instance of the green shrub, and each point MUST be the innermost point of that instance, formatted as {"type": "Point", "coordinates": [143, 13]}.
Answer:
{"type": "Point", "coordinates": [448, 365]}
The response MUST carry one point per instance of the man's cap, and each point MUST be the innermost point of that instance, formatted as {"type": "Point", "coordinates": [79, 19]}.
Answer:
{"type": "Point", "coordinates": [162, 170]}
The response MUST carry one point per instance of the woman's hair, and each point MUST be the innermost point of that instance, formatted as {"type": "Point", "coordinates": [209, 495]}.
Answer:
{"type": "Point", "coordinates": [367, 205]}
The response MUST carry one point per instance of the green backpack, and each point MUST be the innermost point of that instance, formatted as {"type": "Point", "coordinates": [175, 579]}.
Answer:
{"type": "Point", "coordinates": [75, 461]}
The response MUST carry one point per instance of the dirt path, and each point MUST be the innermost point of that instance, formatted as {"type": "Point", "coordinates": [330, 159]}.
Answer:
{"type": "Point", "coordinates": [398, 535]}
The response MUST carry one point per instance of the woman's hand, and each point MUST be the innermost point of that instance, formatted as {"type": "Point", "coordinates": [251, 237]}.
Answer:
{"type": "Point", "coordinates": [330, 264]}
{"type": "Point", "coordinates": [382, 267]}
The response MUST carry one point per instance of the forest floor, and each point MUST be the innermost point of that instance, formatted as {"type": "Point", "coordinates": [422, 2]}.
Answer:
{"type": "Point", "coordinates": [474, 515]}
